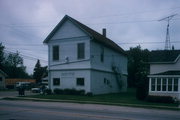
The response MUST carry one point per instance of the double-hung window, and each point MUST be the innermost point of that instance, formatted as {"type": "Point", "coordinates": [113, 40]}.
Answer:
{"type": "Point", "coordinates": [56, 81]}
{"type": "Point", "coordinates": [80, 50]}
{"type": "Point", "coordinates": [55, 53]}
{"type": "Point", "coordinates": [102, 54]}
{"type": "Point", "coordinates": [175, 84]}
{"type": "Point", "coordinates": [153, 82]}
{"type": "Point", "coordinates": [80, 81]}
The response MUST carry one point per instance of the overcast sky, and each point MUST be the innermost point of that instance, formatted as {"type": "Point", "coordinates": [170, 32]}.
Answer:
{"type": "Point", "coordinates": [24, 24]}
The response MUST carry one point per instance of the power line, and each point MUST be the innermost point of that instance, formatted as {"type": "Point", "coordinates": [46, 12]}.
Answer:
{"type": "Point", "coordinates": [146, 42]}
{"type": "Point", "coordinates": [27, 56]}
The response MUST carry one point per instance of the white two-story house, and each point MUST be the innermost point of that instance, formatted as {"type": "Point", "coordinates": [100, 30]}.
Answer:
{"type": "Point", "coordinates": [81, 58]}
{"type": "Point", "coordinates": [164, 78]}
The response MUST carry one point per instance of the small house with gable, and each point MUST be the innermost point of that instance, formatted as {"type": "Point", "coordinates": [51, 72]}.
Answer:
{"type": "Point", "coordinates": [164, 78]}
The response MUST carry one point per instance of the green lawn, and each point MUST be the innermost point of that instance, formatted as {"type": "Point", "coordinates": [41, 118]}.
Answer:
{"type": "Point", "coordinates": [127, 98]}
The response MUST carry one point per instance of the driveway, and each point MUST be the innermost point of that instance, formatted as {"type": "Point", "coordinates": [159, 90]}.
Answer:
{"type": "Point", "coordinates": [4, 94]}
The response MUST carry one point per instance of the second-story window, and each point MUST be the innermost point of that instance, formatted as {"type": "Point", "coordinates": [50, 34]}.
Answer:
{"type": "Point", "coordinates": [102, 54]}
{"type": "Point", "coordinates": [55, 53]}
{"type": "Point", "coordinates": [80, 50]}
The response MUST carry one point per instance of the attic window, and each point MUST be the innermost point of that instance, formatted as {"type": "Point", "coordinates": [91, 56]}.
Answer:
{"type": "Point", "coordinates": [55, 53]}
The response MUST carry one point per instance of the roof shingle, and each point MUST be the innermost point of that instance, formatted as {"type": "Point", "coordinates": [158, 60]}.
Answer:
{"type": "Point", "coordinates": [163, 56]}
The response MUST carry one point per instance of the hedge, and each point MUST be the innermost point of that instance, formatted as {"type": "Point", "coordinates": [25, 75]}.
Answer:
{"type": "Point", "coordinates": [160, 99]}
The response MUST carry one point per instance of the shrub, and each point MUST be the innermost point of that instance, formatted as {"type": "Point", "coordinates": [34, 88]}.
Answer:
{"type": "Point", "coordinates": [142, 88]}
{"type": "Point", "coordinates": [73, 92]}
{"type": "Point", "coordinates": [89, 94]}
{"type": "Point", "coordinates": [141, 93]}
{"type": "Point", "coordinates": [48, 91]}
{"type": "Point", "coordinates": [58, 91]}
{"type": "Point", "coordinates": [160, 99]}
{"type": "Point", "coordinates": [81, 92]}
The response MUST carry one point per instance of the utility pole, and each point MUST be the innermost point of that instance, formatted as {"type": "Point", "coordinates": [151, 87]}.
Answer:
{"type": "Point", "coordinates": [167, 42]}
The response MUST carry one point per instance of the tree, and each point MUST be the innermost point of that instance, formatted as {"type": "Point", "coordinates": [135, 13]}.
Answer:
{"type": "Point", "coordinates": [12, 64]}
{"type": "Point", "coordinates": [1, 55]}
{"type": "Point", "coordinates": [38, 72]}
{"type": "Point", "coordinates": [137, 64]}
{"type": "Point", "coordinates": [138, 69]}
{"type": "Point", "coordinates": [14, 67]}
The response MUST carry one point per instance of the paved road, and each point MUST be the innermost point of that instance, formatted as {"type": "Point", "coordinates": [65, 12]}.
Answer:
{"type": "Point", "coordinates": [29, 110]}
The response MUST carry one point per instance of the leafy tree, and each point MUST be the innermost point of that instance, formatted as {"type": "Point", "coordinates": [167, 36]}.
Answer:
{"type": "Point", "coordinates": [137, 64]}
{"type": "Point", "coordinates": [12, 64]}
{"type": "Point", "coordinates": [138, 69]}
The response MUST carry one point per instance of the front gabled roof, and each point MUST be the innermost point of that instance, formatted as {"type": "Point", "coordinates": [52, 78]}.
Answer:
{"type": "Point", "coordinates": [164, 56]}
{"type": "Point", "coordinates": [92, 33]}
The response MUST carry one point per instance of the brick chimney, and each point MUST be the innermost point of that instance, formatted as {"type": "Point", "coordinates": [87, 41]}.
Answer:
{"type": "Point", "coordinates": [104, 32]}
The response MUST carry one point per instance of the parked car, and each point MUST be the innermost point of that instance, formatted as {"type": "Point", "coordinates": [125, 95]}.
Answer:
{"type": "Point", "coordinates": [35, 90]}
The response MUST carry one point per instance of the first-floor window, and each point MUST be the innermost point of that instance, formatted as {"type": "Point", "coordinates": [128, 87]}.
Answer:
{"type": "Point", "coordinates": [80, 81]}
{"type": "Point", "coordinates": [169, 84]}
{"type": "Point", "coordinates": [152, 84]}
{"type": "Point", "coordinates": [164, 83]}
{"type": "Point", "coordinates": [158, 84]}
{"type": "Point", "coordinates": [175, 84]}
{"type": "Point", "coordinates": [56, 81]}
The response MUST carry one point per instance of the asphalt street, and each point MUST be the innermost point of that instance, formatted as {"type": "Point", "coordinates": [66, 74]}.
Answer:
{"type": "Point", "coordinates": [30, 110]}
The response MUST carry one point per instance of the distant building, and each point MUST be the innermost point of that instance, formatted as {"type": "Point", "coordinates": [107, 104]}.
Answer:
{"type": "Point", "coordinates": [2, 79]}
{"type": "Point", "coordinates": [81, 58]}
{"type": "Point", "coordinates": [11, 82]}
{"type": "Point", "coordinates": [164, 78]}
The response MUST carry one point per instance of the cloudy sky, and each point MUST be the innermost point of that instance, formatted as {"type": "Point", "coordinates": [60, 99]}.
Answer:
{"type": "Point", "coordinates": [24, 24]}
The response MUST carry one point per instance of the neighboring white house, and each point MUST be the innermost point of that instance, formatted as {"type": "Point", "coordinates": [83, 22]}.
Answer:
{"type": "Point", "coordinates": [2, 79]}
{"type": "Point", "coordinates": [164, 78]}
{"type": "Point", "coordinates": [81, 58]}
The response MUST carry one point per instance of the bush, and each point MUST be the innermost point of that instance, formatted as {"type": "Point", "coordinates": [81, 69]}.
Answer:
{"type": "Point", "coordinates": [142, 89]}
{"type": "Point", "coordinates": [89, 94]}
{"type": "Point", "coordinates": [73, 92]}
{"type": "Point", "coordinates": [141, 93]}
{"type": "Point", "coordinates": [48, 91]}
{"type": "Point", "coordinates": [81, 92]}
{"type": "Point", "coordinates": [160, 99]}
{"type": "Point", "coordinates": [58, 91]}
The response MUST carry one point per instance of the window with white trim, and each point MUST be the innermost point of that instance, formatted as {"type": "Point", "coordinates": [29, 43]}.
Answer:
{"type": "Point", "coordinates": [164, 84]}
{"type": "Point", "coordinates": [175, 84]}
{"type": "Point", "coordinates": [158, 84]}
{"type": "Point", "coordinates": [169, 84]}
{"type": "Point", "coordinates": [55, 53]}
{"type": "Point", "coordinates": [153, 84]}
{"type": "Point", "coordinates": [80, 50]}
{"type": "Point", "coordinates": [80, 81]}
{"type": "Point", "coordinates": [56, 81]}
